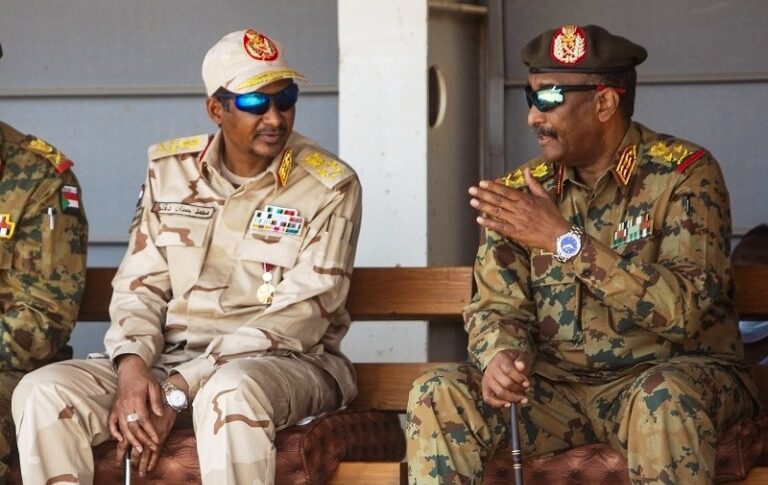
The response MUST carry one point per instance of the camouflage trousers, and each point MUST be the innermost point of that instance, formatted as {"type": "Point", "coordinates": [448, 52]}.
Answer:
{"type": "Point", "coordinates": [61, 411]}
{"type": "Point", "coordinates": [8, 382]}
{"type": "Point", "coordinates": [665, 420]}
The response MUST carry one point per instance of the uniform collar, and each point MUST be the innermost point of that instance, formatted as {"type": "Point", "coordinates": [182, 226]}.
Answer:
{"type": "Point", "coordinates": [210, 160]}
{"type": "Point", "coordinates": [627, 156]}
{"type": "Point", "coordinates": [624, 165]}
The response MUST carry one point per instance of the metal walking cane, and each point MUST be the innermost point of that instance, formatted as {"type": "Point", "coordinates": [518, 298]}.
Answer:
{"type": "Point", "coordinates": [128, 466]}
{"type": "Point", "coordinates": [517, 459]}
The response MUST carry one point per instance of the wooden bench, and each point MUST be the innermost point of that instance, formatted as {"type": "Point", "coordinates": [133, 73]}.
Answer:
{"type": "Point", "coordinates": [433, 293]}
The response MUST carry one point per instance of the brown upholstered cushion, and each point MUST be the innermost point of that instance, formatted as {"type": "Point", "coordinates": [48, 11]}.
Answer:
{"type": "Point", "coordinates": [310, 454]}
{"type": "Point", "coordinates": [593, 464]}
{"type": "Point", "coordinates": [306, 454]}
{"type": "Point", "coordinates": [742, 447]}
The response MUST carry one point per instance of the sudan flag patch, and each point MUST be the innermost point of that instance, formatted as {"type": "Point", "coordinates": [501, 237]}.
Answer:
{"type": "Point", "coordinates": [70, 199]}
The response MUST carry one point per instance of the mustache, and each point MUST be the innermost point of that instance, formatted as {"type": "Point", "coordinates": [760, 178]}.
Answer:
{"type": "Point", "coordinates": [277, 130]}
{"type": "Point", "coordinates": [541, 131]}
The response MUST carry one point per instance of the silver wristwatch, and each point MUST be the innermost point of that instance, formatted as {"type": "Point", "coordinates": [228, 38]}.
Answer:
{"type": "Point", "coordinates": [569, 244]}
{"type": "Point", "coordinates": [175, 397]}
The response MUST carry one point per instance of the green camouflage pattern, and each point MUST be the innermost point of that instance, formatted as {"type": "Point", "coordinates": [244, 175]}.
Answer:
{"type": "Point", "coordinates": [8, 381]}
{"type": "Point", "coordinates": [614, 312]}
{"type": "Point", "coordinates": [451, 431]}
{"type": "Point", "coordinates": [42, 270]}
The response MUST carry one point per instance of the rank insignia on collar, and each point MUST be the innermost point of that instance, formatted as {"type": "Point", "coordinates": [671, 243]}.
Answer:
{"type": "Point", "coordinates": [560, 179]}
{"type": "Point", "coordinates": [70, 201]}
{"type": "Point", "coordinates": [632, 229]}
{"type": "Point", "coordinates": [286, 164]}
{"type": "Point", "coordinates": [6, 226]}
{"type": "Point", "coordinates": [569, 45]}
{"type": "Point", "coordinates": [626, 163]}
{"type": "Point", "coordinates": [278, 220]}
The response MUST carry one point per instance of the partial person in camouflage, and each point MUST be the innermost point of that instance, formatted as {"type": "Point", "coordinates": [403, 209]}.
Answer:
{"type": "Point", "coordinates": [230, 298]}
{"type": "Point", "coordinates": [43, 243]}
{"type": "Point", "coordinates": [603, 305]}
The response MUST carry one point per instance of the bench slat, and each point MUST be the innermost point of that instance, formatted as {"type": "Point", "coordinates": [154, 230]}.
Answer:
{"type": "Point", "coordinates": [369, 472]}
{"type": "Point", "coordinates": [385, 387]}
{"type": "Point", "coordinates": [409, 293]}
{"type": "Point", "coordinates": [420, 293]}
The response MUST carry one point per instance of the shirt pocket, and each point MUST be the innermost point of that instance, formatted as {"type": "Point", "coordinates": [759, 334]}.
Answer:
{"type": "Point", "coordinates": [64, 241]}
{"type": "Point", "coordinates": [184, 241]}
{"type": "Point", "coordinates": [182, 232]}
{"type": "Point", "coordinates": [255, 256]}
{"type": "Point", "coordinates": [280, 252]}
{"type": "Point", "coordinates": [645, 249]}
{"type": "Point", "coordinates": [555, 292]}
{"type": "Point", "coordinates": [6, 255]}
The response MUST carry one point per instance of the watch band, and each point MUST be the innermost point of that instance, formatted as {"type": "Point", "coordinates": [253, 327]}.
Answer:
{"type": "Point", "coordinates": [173, 393]}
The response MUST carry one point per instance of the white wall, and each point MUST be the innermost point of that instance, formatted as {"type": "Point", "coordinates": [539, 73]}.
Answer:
{"type": "Point", "coordinates": [383, 133]}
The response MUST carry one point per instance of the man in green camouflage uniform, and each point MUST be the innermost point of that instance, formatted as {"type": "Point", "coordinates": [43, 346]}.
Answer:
{"type": "Point", "coordinates": [603, 305]}
{"type": "Point", "coordinates": [43, 240]}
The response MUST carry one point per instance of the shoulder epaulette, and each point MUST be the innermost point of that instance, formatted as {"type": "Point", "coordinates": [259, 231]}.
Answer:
{"type": "Point", "coordinates": [59, 161]}
{"type": "Point", "coordinates": [178, 146]}
{"type": "Point", "coordinates": [515, 179]}
{"type": "Point", "coordinates": [328, 170]}
{"type": "Point", "coordinates": [675, 153]}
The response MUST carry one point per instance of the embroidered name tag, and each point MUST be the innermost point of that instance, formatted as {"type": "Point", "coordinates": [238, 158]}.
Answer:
{"type": "Point", "coordinates": [189, 210]}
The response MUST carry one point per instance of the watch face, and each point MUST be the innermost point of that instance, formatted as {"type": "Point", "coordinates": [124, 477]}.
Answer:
{"type": "Point", "coordinates": [176, 398]}
{"type": "Point", "coordinates": [570, 244]}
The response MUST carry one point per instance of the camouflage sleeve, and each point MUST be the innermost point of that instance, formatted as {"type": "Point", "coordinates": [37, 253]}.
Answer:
{"type": "Point", "coordinates": [502, 311]}
{"type": "Point", "coordinates": [42, 275]}
{"type": "Point", "coordinates": [141, 290]}
{"type": "Point", "coordinates": [309, 295]}
{"type": "Point", "coordinates": [668, 294]}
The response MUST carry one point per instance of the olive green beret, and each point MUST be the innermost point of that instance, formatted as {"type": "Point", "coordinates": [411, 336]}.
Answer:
{"type": "Point", "coordinates": [572, 48]}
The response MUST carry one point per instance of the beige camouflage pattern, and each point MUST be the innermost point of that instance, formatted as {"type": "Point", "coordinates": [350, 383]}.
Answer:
{"type": "Point", "coordinates": [245, 401]}
{"type": "Point", "coordinates": [42, 270]}
{"type": "Point", "coordinates": [648, 326]}
{"type": "Point", "coordinates": [185, 301]}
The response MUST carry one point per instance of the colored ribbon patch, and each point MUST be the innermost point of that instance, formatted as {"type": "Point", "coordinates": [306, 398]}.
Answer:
{"type": "Point", "coordinates": [632, 229]}
{"type": "Point", "coordinates": [277, 220]}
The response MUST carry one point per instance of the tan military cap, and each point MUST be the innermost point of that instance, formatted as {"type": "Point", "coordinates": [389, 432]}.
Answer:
{"type": "Point", "coordinates": [572, 48]}
{"type": "Point", "coordinates": [244, 61]}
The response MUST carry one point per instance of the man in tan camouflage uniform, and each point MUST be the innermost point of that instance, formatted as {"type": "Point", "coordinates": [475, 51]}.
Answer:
{"type": "Point", "coordinates": [603, 305]}
{"type": "Point", "coordinates": [230, 296]}
{"type": "Point", "coordinates": [43, 243]}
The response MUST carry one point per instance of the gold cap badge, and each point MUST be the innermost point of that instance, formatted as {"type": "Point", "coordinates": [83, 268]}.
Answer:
{"type": "Point", "coordinates": [569, 44]}
{"type": "Point", "coordinates": [259, 46]}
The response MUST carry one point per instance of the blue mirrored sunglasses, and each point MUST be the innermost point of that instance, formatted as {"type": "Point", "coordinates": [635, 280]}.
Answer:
{"type": "Point", "coordinates": [551, 97]}
{"type": "Point", "coordinates": [258, 103]}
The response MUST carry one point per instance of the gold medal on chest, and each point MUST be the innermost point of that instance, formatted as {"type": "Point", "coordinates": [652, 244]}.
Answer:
{"type": "Point", "coordinates": [266, 292]}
